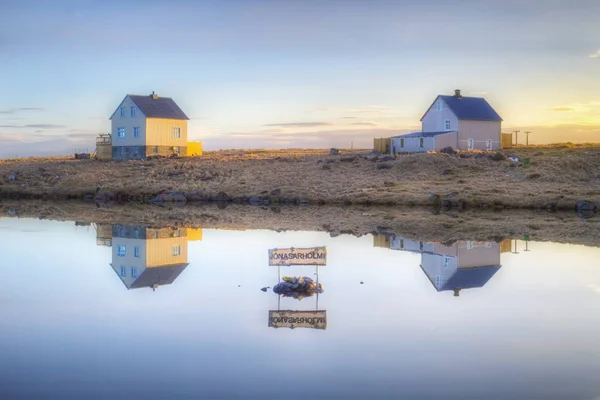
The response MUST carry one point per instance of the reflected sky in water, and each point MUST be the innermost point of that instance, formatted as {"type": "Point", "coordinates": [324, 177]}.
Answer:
{"type": "Point", "coordinates": [75, 325]}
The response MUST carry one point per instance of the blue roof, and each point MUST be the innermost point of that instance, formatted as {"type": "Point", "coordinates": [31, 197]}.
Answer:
{"type": "Point", "coordinates": [476, 108]}
{"type": "Point", "coordinates": [422, 134]}
{"type": "Point", "coordinates": [466, 278]}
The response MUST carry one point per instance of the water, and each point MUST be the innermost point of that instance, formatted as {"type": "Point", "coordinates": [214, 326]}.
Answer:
{"type": "Point", "coordinates": [525, 326]}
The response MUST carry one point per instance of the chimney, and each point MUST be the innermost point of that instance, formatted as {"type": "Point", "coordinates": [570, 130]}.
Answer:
{"type": "Point", "coordinates": [154, 95]}
{"type": "Point", "coordinates": [456, 292]}
{"type": "Point", "coordinates": [457, 94]}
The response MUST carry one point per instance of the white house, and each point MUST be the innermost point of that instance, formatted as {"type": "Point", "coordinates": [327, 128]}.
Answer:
{"type": "Point", "coordinates": [148, 125]}
{"type": "Point", "coordinates": [465, 123]}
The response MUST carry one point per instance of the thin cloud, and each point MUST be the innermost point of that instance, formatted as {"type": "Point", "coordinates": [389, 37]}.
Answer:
{"type": "Point", "coordinates": [10, 126]}
{"type": "Point", "coordinates": [477, 93]}
{"type": "Point", "coordinates": [595, 55]}
{"type": "Point", "coordinates": [348, 117]}
{"type": "Point", "coordinates": [561, 109]}
{"type": "Point", "coordinates": [366, 123]}
{"type": "Point", "coordinates": [321, 109]}
{"type": "Point", "coordinates": [300, 124]}
{"type": "Point", "coordinates": [30, 109]}
{"type": "Point", "coordinates": [45, 126]}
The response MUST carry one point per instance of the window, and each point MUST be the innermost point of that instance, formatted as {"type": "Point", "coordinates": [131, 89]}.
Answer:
{"type": "Point", "coordinates": [136, 251]}
{"type": "Point", "coordinates": [177, 250]}
{"type": "Point", "coordinates": [136, 131]}
{"type": "Point", "coordinates": [176, 233]}
{"type": "Point", "coordinates": [446, 262]}
{"type": "Point", "coordinates": [133, 112]}
{"type": "Point", "coordinates": [469, 245]}
{"type": "Point", "coordinates": [447, 125]}
{"type": "Point", "coordinates": [133, 272]}
{"type": "Point", "coordinates": [123, 112]}
{"type": "Point", "coordinates": [176, 133]}
{"type": "Point", "coordinates": [176, 149]}
{"type": "Point", "coordinates": [421, 142]}
{"type": "Point", "coordinates": [136, 233]}
{"type": "Point", "coordinates": [123, 271]}
{"type": "Point", "coordinates": [155, 234]}
{"type": "Point", "coordinates": [470, 144]}
{"type": "Point", "coordinates": [488, 245]}
{"type": "Point", "coordinates": [488, 144]}
{"type": "Point", "coordinates": [438, 280]}
{"type": "Point", "coordinates": [401, 243]}
{"type": "Point", "coordinates": [121, 251]}
{"type": "Point", "coordinates": [155, 150]}
{"type": "Point", "coordinates": [122, 232]}
{"type": "Point", "coordinates": [440, 105]}
{"type": "Point", "coordinates": [401, 143]}
{"type": "Point", "coordinates": [421, 246]}
{"type": "Point", "coordinates": [136, 151]}
{"type": "Point", "coordinates": [121, 133]}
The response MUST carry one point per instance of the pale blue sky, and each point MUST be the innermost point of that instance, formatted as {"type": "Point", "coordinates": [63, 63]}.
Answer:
{"type": "Point", "coordinates": [241, 69]}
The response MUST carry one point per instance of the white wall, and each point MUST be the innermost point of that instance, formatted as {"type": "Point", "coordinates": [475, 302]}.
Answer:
{"type": "Point", "coordinates": [129, 260]}
{"type": "Point", "coordinates": [128, 123]}
{"type": "Point", "coordinates": [411, 145]}
{"type": "Point", "coordinates": [479, 131]}
{"type": "Point", "coordinates": [435, 121]}
{"type": "Point", "coordinates": [435, 265]}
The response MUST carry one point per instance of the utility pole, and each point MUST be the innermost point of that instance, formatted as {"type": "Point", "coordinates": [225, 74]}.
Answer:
{"type": "Point", "coordinates": [516, 137]}
{"type": "Point", "coordinates": [527, 138]}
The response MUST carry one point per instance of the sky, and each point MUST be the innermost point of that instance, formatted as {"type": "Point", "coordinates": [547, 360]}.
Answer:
{"type": "Point", "coordinates": [281, 74]}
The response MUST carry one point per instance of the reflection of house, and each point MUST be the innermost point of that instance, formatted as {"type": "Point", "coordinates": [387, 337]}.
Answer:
{"type": "Point", "coordinates": [150, 257]}
{"type": "Point", "coordinates": [462, 265]}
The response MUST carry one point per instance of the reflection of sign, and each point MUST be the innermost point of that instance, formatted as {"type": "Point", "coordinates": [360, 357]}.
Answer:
{"type": "Point", "coordinates": [298, 319]}
{"type": "Point", "coordinates": [311, 256]}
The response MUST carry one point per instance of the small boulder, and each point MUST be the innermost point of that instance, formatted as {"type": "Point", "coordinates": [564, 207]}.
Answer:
{"type": "Point", "coordinates": [275, 192]}
{"type": "Point", "coordinates": [255, 200]}
{"type": "Point", "coordinates": [326, 166]}
{"type": "Point", "coordinates": [348, 159]}
{"type": "Point", "coordinates": [264, 289]}
{"type": "Point", "coordinates": [334, 152]}
{"type": "Point", "coordinates": [497, 156]}
{"type": "Point", "coordinates": [583, 205]}
{"type": "Point", "coordinates": [448, 150]}
{"type": "Point", "coordinates": [383, 166]}
{"type": "Point", "coordinates": [387, 158]}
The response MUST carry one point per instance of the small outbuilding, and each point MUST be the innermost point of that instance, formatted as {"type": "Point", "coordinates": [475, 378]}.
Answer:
{"type": "Point", "coordinates": [465, 123]}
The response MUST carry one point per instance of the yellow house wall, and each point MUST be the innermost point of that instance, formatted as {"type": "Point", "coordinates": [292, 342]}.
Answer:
{"type": "Point", "coordinates": [158, 132]}
{"type": "Point", "coordinates": [159, 252]}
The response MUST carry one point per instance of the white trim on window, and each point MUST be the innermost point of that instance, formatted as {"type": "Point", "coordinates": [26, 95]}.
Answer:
{"type": "Point", "coordinates": [421, 142]}
{"type": "Point", "coordinates": [177, 250]}
{"type": "Point", "coordinates": [121, 251]}
{"type": "Point", "coordinates": [121, 133]}
{"type": "Point", "coordinates": [447, 124]}
{"type": "Point", "coordinates": [123, 271]}
{"type": "Point", "coordinates": [470, 144]}
{"type": "Point", "coordinates": [176, 133]}
{"type": "Point", "coordinates": [123, 112]}
{"type": "Point", "coordinates": [488, 144]}
{"type": "Point", "coordinates": [136, 131]}
{"type": "Point", "coordinates": [133, 112]}
{"type": "Point", "coordinates": [440, 105]}
{"type": "Point", "coordinates": [133, 272]}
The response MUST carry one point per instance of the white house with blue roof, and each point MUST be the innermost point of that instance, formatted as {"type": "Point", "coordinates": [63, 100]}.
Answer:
{"type": "Point", "coordinates": [465, 123]}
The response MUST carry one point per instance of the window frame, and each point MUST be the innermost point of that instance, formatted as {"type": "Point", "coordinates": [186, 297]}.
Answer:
{"type": "Point", "coordinates": [134, 274]}
{"type": "Point", "coordinates": [175, 132]}
{"type": "Point", "coordinates": [121, 253]}
{"type": "Point", "coordinates": [447, 124]}
{"type": "Point", "coordinates": [176, 250]}
{"type": "Point", "coordinates": [136, 251]}
{"type": "Point", "coordinates": [121, 130]}
{"type": "Point", "coordinates": [133, 113]}
{"type": "Point", "coordinates": [421, 142]}
{"type": "Point", "coordinates": [123, 271]}
{"type": "Point", "coordinates": [439, 105]}
{"type": "Point", "coordinates": [470, 144]}
{"type": "Point", "coordinates": [136, 132]}
{"type": "Point", "coordinates": [489, 144]}
{"type": "Point", "coordinates": [401, 143]}
{"type": "Point", "coordinates": [123, 112]}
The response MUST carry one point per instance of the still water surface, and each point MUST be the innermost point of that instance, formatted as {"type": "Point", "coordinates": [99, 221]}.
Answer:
{"type": "Point", "coordinates": [129, 312]}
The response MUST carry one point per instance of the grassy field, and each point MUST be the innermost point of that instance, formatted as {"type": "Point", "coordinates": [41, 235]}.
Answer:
{"type": "Point", "coordinates": [555, 176]}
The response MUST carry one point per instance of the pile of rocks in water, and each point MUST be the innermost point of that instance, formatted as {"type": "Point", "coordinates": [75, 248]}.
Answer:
{"type": "Point", "coordinates": [297, 288]}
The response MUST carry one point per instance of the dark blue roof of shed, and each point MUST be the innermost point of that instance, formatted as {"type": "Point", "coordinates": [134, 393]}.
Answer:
{"type": "Point", "coordinates": [476, 108]}
{"type": "Point", "coordinates": [465, 278]}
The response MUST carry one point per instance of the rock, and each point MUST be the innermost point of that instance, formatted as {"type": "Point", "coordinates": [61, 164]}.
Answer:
{"type": "Point", "coordinates": [434, 197]}
{"type": "Point", "coordinates": [448, 150]}
{"type": "Point", "coordinates": [105, 197]}
{"type": "Point", "coordinates": [330, 161]}
{"type": "Point", "coordinates": [334, 152]}
{"type": "Point", "coordinates": [479, 155]}
{"type": "Point", "coordinates": [387, 158]}
{"type": "Point", "coordinates": [497, 156]}
{"type": "Point", "coordinates": [275, 192]}
{"type": "Point", "coordinates": [539, 153]}
{"type": "Point", "coordinates": [12, 177]}
{"type": "Point", "coordinates": [301, 201]}
{"type": "Point", "coordinates": [585, 214]}
{"type": "Point", "coordinates": [276, 210]}
{"type": "Point", "coordinates": [583, 205]}
{"type": "Point", "coordinates": [169, 197]}
{"type": "Point", "coordinates": [264, 289]}
{"type": "Point", "coordinates": [533, 176]}
{"type": "Point", "coordinates": [326, 166]}
{"type": "Point", "coordinates": [361, 282]}
{"type": "Point", "coordinates": [452, 195]}
{"type": "Point", "coordinates": [255, 200]}
{"type": "Point", "coordinates": [348, 159]}
{"type": "Point", "coordinates": [383, 166]}
{"type": "Point", "coordinates": [446, 205]}
{"type": "Point", "coordinates": [389, 184]}
{"type": "Point", "coordinates": [446, 172]}
{"type": "Point", "coordinates": [221, 196]}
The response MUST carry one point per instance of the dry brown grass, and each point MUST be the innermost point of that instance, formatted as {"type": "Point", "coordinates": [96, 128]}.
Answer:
{"type": "Point", "coordinates": [556, 176]}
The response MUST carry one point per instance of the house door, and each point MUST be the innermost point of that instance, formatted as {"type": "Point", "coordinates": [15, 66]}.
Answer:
{"type": "Point", "coordinates": [488, 144]}
{"type": "Point", "coordinates": [470, 144]}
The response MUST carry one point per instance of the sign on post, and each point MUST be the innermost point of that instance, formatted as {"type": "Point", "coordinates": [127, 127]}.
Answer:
{"type": "Point", "coordinates": [298, 319]}
{"type": "Point", "coordinates": [293, 256]}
